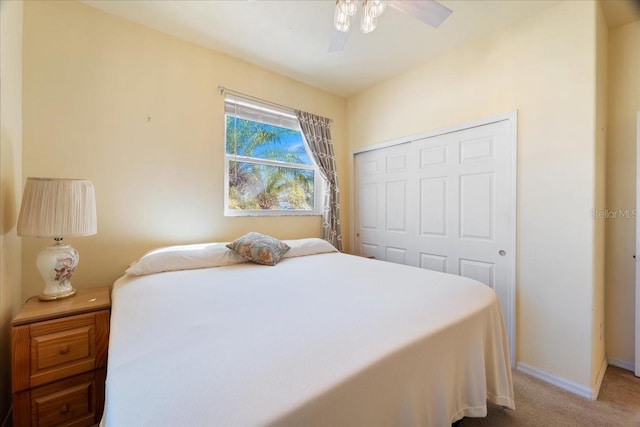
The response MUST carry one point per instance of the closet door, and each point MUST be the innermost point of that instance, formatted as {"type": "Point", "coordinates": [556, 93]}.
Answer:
{"type": "Point", "coordinates": [386, 225]}
{"type": "Point", "coordinates": [446, 203]}
{"type": "Point", "coordinates": [465, 205]}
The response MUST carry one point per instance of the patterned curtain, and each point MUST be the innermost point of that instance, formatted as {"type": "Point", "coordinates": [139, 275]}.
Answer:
{"type": "Point", "coordinates": [317, 132]}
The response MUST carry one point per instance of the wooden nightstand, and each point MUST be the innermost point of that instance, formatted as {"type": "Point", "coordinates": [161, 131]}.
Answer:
{"type": "Point", "coordinates": [59, 359]}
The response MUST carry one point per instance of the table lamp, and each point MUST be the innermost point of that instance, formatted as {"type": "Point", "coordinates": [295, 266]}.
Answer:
{"type": "Point", "coordinates": [57, 208]}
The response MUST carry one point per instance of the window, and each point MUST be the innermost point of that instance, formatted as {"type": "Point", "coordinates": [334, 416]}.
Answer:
{"type": "Point", "coordinates": [268, 169]}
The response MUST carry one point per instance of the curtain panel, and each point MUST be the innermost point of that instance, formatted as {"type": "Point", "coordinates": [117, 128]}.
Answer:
{"type": "Point", "coordinates": [317, 132]}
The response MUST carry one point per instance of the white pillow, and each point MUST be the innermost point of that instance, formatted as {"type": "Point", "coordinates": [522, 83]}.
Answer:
{"type": "Point", "coordinates": [309, 246]}
{"type": "Point", "coordinates": [184, 257]}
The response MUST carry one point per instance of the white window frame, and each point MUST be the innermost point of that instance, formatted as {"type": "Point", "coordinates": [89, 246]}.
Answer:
{"type": "Point", "coordinates": [318, 180]}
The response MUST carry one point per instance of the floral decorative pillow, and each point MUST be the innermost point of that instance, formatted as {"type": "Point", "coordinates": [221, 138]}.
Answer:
{"type": "Point", "coordinates": [259, 248]}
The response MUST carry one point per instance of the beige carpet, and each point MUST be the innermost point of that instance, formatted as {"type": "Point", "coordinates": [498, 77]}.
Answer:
{"type": "Point", "coordinates": [541, 404]}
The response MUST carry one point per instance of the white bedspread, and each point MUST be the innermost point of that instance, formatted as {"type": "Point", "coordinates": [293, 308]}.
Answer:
{"type": "Point", "coordinates": [321, 340]}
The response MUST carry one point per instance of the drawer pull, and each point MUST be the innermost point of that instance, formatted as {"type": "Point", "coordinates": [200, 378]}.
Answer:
{"type": "Point", "coordinates": [64, 350]}
{"type": "Point", "coordinates": [64, 409]}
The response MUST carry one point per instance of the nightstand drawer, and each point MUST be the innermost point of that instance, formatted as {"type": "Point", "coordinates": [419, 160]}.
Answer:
{"type": "Point", "coordinates": [53, 350]}
{"type": "Point", "coordinates": [61, 348]}
{"type": "Point", "coordinates": [70, 402]}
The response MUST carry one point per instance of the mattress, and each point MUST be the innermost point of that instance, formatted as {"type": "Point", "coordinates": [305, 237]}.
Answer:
{"type": "Point", "coordinates": [321, 340]}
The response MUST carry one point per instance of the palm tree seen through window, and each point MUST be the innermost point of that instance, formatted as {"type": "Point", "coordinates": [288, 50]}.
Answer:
{"type": "Point", "coordinates": [268, 168]}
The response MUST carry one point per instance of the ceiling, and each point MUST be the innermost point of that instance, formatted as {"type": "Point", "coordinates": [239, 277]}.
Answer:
{"type": "Point", "coordinates": [292, 37]}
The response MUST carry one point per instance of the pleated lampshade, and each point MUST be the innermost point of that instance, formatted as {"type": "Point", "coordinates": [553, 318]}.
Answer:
{"type": "Point", "coordinates": [57, 207]}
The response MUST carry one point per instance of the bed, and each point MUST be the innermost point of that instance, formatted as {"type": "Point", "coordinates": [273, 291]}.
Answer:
{"type": "Point", "coordinates": [320, 339]}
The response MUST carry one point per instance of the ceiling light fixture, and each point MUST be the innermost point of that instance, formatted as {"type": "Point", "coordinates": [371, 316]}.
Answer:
{"type": "Point", "coordinates": [346, 9]}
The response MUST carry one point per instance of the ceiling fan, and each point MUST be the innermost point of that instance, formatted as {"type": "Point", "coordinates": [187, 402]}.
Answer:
{"type": "Point", "coordinates": [428, 11]}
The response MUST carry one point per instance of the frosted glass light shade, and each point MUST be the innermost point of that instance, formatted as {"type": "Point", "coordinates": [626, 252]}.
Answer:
{"type": "Point", "coordinates": [341, 20]}
{"type": "Point", "coordinates": [348, 7]}
{"type": "Point", "coordinates": [57, 207]}
{"type": "Point", "coordinates": [368, 23]}
{"type": "Point", "coordinates": [376, 7]}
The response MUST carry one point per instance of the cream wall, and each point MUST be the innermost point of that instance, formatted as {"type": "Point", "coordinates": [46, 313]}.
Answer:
{"type": "Point", "coordinates": [623, 105]}
{"type": "Point", "coordinates": [139, 114]}
{"type": "Point", "coordinates": [544, 67]}
{"type": "Point", "coordinates": [10, 184]}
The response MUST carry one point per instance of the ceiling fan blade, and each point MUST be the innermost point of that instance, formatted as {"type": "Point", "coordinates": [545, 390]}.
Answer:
{"type": "Point", "coordinates": [428, 11]}
{"type": "Point", "coordinates": [338, 40]}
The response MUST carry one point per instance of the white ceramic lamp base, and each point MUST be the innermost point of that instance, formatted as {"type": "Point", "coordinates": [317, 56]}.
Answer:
{"type": "Point", "coordinates": [56, 265]}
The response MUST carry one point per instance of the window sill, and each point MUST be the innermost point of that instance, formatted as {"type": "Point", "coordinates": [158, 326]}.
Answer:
{"type": "Point", "coordinates": [274, 213]}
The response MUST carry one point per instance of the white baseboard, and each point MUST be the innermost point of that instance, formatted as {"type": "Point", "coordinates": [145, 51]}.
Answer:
{"type": "Point", "coordinates": [568, 385]}
{"type": "Point", "coordinates": [629, 366]}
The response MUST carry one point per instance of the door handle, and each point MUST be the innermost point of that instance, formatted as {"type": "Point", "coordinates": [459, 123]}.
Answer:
{"type": "Point", "coordinates": [502, 252]}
